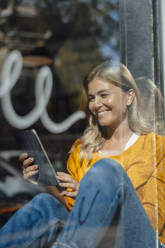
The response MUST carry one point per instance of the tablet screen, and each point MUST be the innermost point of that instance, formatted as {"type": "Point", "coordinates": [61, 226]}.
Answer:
{"type": "Point", "coordinates": [30, 143]}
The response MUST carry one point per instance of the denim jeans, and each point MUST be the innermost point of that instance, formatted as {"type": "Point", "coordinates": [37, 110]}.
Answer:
{"type": "Point", "coordinates": [104, 189]}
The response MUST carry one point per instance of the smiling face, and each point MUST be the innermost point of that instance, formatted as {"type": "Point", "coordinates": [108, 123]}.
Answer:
{"type": "Point", "coordinates": [108, 103]}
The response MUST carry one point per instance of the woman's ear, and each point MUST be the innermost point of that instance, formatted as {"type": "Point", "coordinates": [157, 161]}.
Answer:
{"type": "Point", "coordinates": [130, 96]}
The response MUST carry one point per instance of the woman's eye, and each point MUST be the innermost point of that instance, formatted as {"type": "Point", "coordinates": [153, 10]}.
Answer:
{"type": "Point", "coordinates": [104, 95]}
{"type": "Point", "coordinates": [90, 99]}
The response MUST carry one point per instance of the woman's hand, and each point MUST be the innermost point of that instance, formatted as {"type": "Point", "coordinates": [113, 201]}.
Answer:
{"type": "Point", "coordinates": [29, 169]}
{"type": "Point", "coordinates": [71, 185]}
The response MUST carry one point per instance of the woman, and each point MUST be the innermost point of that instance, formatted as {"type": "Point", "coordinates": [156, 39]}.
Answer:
{"type": "Point", "coordinates": [117, 164]}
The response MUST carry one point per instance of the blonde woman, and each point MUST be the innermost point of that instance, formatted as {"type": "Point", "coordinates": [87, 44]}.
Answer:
{"type": "Point", "coordinates": [116, 166]}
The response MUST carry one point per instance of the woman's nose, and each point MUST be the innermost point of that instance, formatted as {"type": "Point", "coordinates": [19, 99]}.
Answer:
{"type": "Point", "coordinates": [97, 102]}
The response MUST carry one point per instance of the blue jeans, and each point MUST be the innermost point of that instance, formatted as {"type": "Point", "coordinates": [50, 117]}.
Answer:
{"type": "Point", "coordinates": [104, 189]}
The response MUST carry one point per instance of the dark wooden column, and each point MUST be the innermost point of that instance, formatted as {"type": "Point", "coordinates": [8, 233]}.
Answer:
{"type": "Point", "coordinates": [137, 41]}
{"type": "Point", "coordinates": [141, 39]}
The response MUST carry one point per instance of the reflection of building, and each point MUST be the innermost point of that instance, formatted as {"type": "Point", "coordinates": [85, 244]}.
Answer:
{"type": "Point", "coordinates": [24, 28]}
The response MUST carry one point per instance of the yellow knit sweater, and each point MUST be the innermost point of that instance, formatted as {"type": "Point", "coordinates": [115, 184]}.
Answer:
{"type": "Point", "coordinates": [144, 163]}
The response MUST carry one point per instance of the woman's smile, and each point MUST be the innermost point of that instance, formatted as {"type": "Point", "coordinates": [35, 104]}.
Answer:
{"type": "Point", "coordinates": [101, 114]}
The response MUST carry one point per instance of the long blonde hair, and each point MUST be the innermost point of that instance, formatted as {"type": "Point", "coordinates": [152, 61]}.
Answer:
{"type": "Point", "coordinates": [153, 105]}
{"type": "Point", "coordinates": [93, 137]}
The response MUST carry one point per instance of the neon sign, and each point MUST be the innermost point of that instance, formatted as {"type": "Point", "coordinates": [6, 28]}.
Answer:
{"type": "Point", "coordinates": [43, 86]}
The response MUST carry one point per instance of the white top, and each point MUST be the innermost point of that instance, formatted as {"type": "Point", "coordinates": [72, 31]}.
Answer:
{"type": "Point", "coordinates": [131, 140]}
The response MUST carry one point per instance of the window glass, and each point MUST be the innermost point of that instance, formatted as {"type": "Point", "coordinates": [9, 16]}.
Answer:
{"type": "Point", "coordinates": [68, 37]}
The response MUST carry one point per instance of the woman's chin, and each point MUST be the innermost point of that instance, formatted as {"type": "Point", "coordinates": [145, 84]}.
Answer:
{"type": "Point", "coordinates": [104, 124]}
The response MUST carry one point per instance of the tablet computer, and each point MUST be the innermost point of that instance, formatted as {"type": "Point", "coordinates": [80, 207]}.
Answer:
{"type": "Point", "coordinates": [29, 142]}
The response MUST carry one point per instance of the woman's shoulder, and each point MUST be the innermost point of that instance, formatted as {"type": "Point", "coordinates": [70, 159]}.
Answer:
{"type": "Point", "coordinates": [156, 140]}
{"type": "Point", "coordinates": [75, 146]}
{"type": "Point", "coordinates": [155, 136]}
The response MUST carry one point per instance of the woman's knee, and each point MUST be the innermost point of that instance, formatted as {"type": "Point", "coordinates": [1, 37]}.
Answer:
{"type": "Point", "coordinates": [109, 165]}
{"type": "Point", "coordinates": [105, 173]}
{"type": "Point", "coordinates": [106, 169]}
